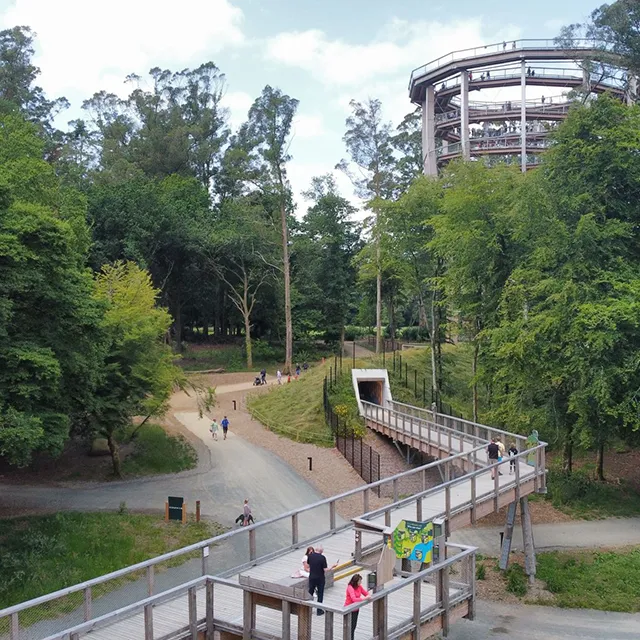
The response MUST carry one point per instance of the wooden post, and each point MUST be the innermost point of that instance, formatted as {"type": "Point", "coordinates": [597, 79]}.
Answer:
{"type": "Point", "coordinates": [252, 544]}
{"type": "Point", "coordinates": [443, 576]}
{"type": "Point", "coordinates": [508, 536]}
{"type": "Point", "coordinates": [396, 494]}
{"type": "Point", "coordinates": [286, 620]}
{"type": "Point", "coordinates": [365, 498]}
{"type": "Point", "coordinates": [447, 503]}
{"type": "Point", "coordinates": [204, 560]}
{"type": "Point", "coordinates": [87, 604]}
{"type": "Point", "coordinates": [419, 509]}
{"type": "Point", "coordinates": [472, 578]}
{"type": "Point", "coordinates": [473, 499]}
{"type": "Point", "coordinates": [148, 622]}
{"type": "Point", "coordinates": [496, 486]}
{"type": "Point", "coordinates": [346, 627]}
{"type": "Point", "coordinates": [328, 625]}
{"type": "Point", "coordinates": [332, 515]}
{"type": "Point", "coordinates": [417, 608]}
{"type": "Point", "coordinates": [150, 579]}
{"type": "Point", "coordinates": [304, 622]}
{"type": "Point", "coordinates": [184, 513]}
{"type": "Point", "coordinates": [380, 618]}
{"type": "Point", "coordinates": [527, 537]}
{"type": "Point", "coordinates": [15, 627]}
{"type": "Point", "coordinates": [193, 613]}
{"type": "Point", "coordinates": [294, 529]}
{"type": "Point", "coordinates": [197, 510]}
{"type": "Point", "coordinates": [210, 610]}
{"type": "Point", "coordinates": [248, 615]}
{"type": "Point", "coordinates": [166, 512]}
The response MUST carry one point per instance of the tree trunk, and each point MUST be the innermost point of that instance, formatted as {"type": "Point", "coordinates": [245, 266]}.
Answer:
{"type": "Point", "coordinates": [378, 296]}
{"type": "Point", "coordinates": [567, 451]}
{"type": "Point", "coordinates": [177, 323]}
{"type": "Point", "coordinates": [342, 338]}
{"type": "Point", "coordinates": [600, 463]}
{"type": "Point", "coordinates": [434, 339]}
{"type": "Point", "coordinates": [115, 455]}
{"type": "Point", "coordinates": [287, 287]}
{"type": "Point", "coordinates": [476, 349]}
{"type": "Point", "coordinates": [246, 313]}
{"type": "Point", "coordinates": [422, 313]}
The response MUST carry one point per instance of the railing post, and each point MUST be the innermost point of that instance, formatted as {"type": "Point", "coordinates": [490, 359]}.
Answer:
{"type": "Point", "coordinates": [387, 518]}
{"type": "Point", "coordinates": [447, 502]}
{"type": "Point", "coordinates": [332, 515]}
{"type": "Point", "coordinates": [417, 608]}
{"type": "Point", "coordinates": [365, 498]}
{"type": "Point", "coordinates": [193, 613]}
{"type": "Point", "coordinates": [204, 558]}
{"type": "Point", "coordinates": [294, 529]}
{"type": "Point", "coordinates": [15, 627]}
{"type": "Point", "coordinates": [496, 486]}
{"type": "Point", "coordinates": [252, 544]}
{"type": "Point", "coordinates": [517, 479]}
{"type": "Point", "coordinates": [209, 609]}
{"type": "Point", "coordinates": [328, 625]}
{"type": "Point", "coordinates": [148, 622]}
{"type": "Point", "coordinates": [286, 620]}
{"type": "Point", "coordinates": [473, 498]}
{"type": "Point", "coordinates": [150, 579]}
{"type": "Point", "coordinates": [87, 604]}
{"type": "Point", "coordinates": [419, 509]}
{"type": "Point", "coordinates": [395, 490]}
{"type": "Point", "coordinates": [543, 471]}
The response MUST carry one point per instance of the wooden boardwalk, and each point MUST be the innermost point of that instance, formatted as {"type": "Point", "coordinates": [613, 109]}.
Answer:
{"type": "Point", "coordinates": [442, 593]}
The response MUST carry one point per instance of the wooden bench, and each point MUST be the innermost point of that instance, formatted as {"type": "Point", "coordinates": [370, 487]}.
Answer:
{"type": "Point", "coordinates": [293, 587]}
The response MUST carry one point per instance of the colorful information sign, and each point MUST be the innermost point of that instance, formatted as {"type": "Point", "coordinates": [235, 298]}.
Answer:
{"type": "Point", "coordinates": [413, 541]}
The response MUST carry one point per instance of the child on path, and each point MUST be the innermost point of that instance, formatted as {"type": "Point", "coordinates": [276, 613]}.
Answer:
{"type": "Point", "coordinates": [214, 429]}
{"type": "Point", "coordinates": [297, 371]}
{"type": "Point", "coordinates": [513, 452]}
{"type": "Point", "coordinates": [279, 376]}
{"type": "Point", "coordinates": [225, 426]}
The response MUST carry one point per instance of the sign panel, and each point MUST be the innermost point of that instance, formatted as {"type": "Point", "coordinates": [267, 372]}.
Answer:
{"type": "Point", "coordinates": [413, 541]}
{"type": "Point", "coordinates": [175, 508]}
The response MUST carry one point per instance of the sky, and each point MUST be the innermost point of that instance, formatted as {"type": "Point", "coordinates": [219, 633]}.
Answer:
{"type": "Point", "coordinates": [322, 52]}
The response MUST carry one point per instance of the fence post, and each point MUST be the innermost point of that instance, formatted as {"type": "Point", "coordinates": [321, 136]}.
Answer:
{"type": "Point", "coordinates": [406, 375]}
{"type": "Point", "coordinates": [415, 383]}
{"type": "Point", "coordinates": [424, 391]}
{"type": "Point", "coordinates": [354, 352]}
{"type": "Point", "coordinates": [394, 361]}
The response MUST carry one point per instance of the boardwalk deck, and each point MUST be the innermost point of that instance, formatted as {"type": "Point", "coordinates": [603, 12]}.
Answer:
{"type": "Point", "coordinates": [468, 493]}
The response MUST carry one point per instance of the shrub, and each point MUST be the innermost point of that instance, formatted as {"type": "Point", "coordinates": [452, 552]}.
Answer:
{"type": "Point", "coordinates": [481, 572]}
{"type": "Point", "coordinates": [355, 332]}
{"type": "Point", "coordinates": [517, 580]}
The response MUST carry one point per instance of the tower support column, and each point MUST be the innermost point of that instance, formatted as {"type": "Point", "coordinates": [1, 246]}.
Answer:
{"type": "Point", "coordinates": [523, 115]}
{"type": "Point", "coordinates": [464, 114]}
{"type": "Point", "coordinates": [429, 160]}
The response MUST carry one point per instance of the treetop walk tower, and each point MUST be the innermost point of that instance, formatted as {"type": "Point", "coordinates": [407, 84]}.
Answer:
{"type": "Point", "coordinates": [502, 124]}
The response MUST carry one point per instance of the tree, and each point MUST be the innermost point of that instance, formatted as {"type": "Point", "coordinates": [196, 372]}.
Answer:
{"type": "Point", "coordinates": [324, 249]}
{"type": "Point", "coordinates": [408, 143]}
{"type": "Point", "coordinates": [368, 141]}
{"type": "Point", "coordinates": [48, 318]}
{"type": "Point", "coordinates": [238, 248]}
{"type": "Point", "coordinates": [472, 237]}
{"type": "Point", "coordinates": [138, 374]}
{"type": "Point", "coordinates": [270, 119]}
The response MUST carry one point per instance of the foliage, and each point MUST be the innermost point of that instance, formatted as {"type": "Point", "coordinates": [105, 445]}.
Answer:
{"type": "Point", "coordinates": [41, 554]}
{"type": "Point", "coordinates": [516, 580]}
{"type": "Point", "coordinates": [481, 572]}
{"type": "Point", "coordinates": [155, 451]}
{"type": "Point", "coordinates": [604, 580]}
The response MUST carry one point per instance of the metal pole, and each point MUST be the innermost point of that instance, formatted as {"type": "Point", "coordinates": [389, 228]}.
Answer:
{"type": "Point", "coordinates": [415, 383]}
{"type": "Point", "coordinates": [406, 374]}
{"type": "Point", "coordinates": [354, 353]}
{"type": "Point", "coordinates": [424, 391]}
{"type": "Point", "coordinates": [523, 114]}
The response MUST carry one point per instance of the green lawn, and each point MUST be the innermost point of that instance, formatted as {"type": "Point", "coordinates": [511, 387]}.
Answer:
{"type": "Point", "coordinates": [593, 580]}
{"type": "Point", "coordinates": [295, 409]}
{"type": "Point", "coordinates": [155, 451]}
{"type": "Point", "coordinates": [41, 554]}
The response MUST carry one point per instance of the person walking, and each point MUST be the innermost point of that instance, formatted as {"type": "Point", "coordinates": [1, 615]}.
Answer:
{"type": "Point", "coordinates": [355, 593]}
{"type": "Point", "coordinates": [214, 429]}
{"type": "Point", "coordinates": [246, 513]}
{"type": "Point", "coordinates": [225, 428]}
{"type": "Point", "coordinates": [263, 376]}
{"type": "Point", "coordinates": [501, 452]}
{"type": "Point", "coordinates": [317, 570]}
{"type": "Point", "coordinates": [493, 452]}
{"type": "Point", "coordinates": [279, 376]}
{"type": "Point", "coordinates": [513, 452]}
{"type": "Point", "coordinates": [297, 371]}
{"type": "Point", "coordinates": [305, 367]}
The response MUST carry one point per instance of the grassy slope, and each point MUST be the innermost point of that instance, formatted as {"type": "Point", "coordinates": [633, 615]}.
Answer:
{"type": "Point", "coordinates": [41, 554]}
{"type": "Point", "coordinates": [592, 579]}
{"type": "Point", "coordinates": [295, 409]}
{"type": "Point", "coordinates": [155, 451]}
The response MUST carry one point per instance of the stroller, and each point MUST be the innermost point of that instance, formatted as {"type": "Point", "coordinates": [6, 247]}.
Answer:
{"type": "Point", "coordinates": [257, 382]}
{"type": "Point", "coordinates": [240, 519]}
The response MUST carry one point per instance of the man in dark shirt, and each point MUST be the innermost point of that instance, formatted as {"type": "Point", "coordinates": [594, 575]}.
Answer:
{"type": "Point", "coordinates": [493, 451]}
{"type": "Point", "coordinates": [317, 569]}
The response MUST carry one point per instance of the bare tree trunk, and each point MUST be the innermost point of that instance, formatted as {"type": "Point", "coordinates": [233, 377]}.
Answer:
{"type": "Point", "coordinates": [246, 313]}
{"type": "Point", "coordinates": [287, 288]}
{"type": "Point", "coordinates": [378, 296]}
{"type": "Point", "coordinates": [567, 452]}
{"type": "Point", "coordinates": [434, 335]}
{"type": "Point", "coordinates": [422, 313]}
{"type": "Point", "coordinates": [476, 348]}
{"type": "Point", "coordinates": [600, 463]}
{"type": "Point", "coordinates": [115, 455]}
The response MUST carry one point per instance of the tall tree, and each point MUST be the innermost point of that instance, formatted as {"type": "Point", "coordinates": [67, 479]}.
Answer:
{"type": "Point", "coordinates": [368, 141]}
{"type": "Point", "coordinates": [407, 142]}
{"type": "Point", "coordinates": [270, 120]}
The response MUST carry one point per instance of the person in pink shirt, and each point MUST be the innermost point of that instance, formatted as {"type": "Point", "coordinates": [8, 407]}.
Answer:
{"type": "Point", "coordinates": [355, 593]}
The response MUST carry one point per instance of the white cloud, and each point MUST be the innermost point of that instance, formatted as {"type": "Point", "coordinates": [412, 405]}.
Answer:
{"type": "Point", "coordinates": [307, 126]}
{"type": "Point", "coordinates": [238, 103]}
{"type": "Point", "coordinates": [84, 45]}
{"type": "Point", "coordinates": [401, 46]}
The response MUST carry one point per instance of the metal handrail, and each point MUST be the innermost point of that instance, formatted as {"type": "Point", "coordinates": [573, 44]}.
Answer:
{"type": "Point", "coordinates": [499, 47]}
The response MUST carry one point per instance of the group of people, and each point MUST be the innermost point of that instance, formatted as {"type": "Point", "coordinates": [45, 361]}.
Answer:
{"type": "Point", "coordinates": [315, 566]}
{"type": "Point", "coordinates": [496, 453]}
{"type": "Point", "coordinates": [215, 427]}
{"type": "Point", "coordinates": [299, 370]}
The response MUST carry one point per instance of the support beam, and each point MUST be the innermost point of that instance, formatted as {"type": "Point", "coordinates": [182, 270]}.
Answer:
{"type": "Point", "coordinates": [464, 114]}
{"type": "Point", "coordinates": [508, 536]}
{"type": "Point", "coordinates": [523, 116]}
{"type": "Point", "coordinates": [429, 163]}
{"type": "Point", "coordinates": [527, 539]}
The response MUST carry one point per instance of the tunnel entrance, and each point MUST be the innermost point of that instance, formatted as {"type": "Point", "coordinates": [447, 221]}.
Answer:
{"type": "Point", "coordinates": [371, 391]}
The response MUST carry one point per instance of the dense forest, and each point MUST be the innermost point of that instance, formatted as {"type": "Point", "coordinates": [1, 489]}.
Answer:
{"type": "Point", "coordinates": [150, 223]}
